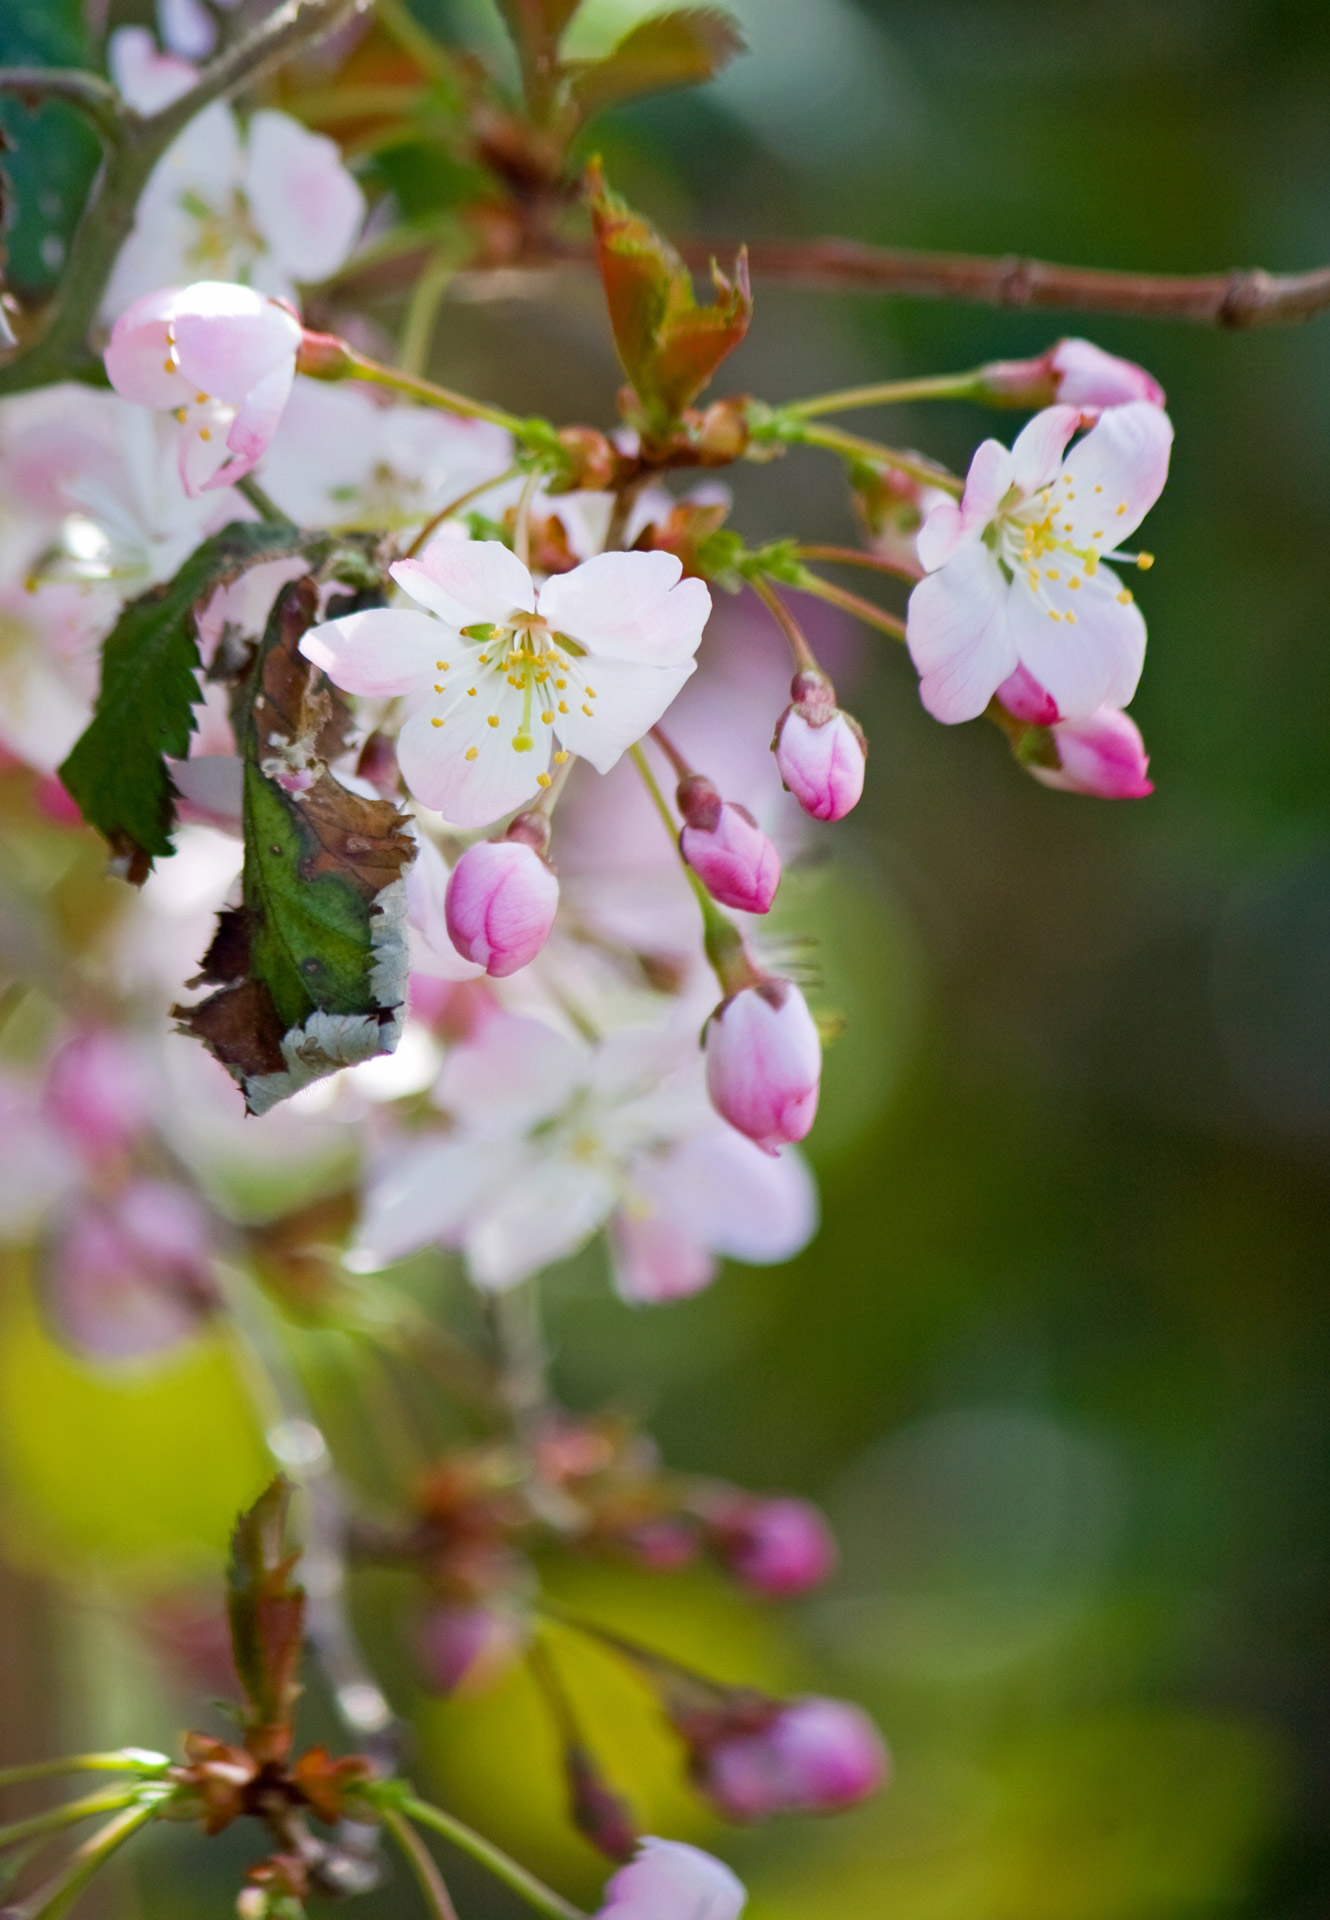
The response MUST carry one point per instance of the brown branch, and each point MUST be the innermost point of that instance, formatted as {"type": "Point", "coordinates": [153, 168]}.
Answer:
{"type": "Point", "coordinates": [1246, 297]}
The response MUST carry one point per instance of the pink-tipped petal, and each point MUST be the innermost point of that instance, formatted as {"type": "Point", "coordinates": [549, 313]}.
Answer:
{"type": "Point", "coordinates": [228, 338]}
{"type": "Point", "coordinates": [467, 582]}
{"type": "Point", "coordinates": [500, 905]}
{"type": "Point", "coordinates": [1103, 756]}
{"type": "Point", "coordinates": [764, 1063]}
{"type": "Point", "coordinates": [1090, 379]}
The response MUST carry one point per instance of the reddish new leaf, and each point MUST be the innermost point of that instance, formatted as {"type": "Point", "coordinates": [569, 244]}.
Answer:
{"type": "Point", "coordinates": [679, 49]}
{"type": "Point", "coordinates": [267, 1613]}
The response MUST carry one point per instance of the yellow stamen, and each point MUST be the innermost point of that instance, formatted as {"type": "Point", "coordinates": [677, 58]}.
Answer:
{"type": "Point", "coordinates": [588, 711]}
{"type": "Point", "coordinates": [494, 720]}
{"type": "Point", "coordinates": [560, 757]}
{"type": "Point", "coordinates": [548, 718]}
{"type": "Point", "coordinates": [472, 753]}
{"type": "Point", "coordinates": [436, 723]}
{"type": "Point", "coordinates": [542, 779]}
{"type": "Point", "coordinates": [1145, 561]}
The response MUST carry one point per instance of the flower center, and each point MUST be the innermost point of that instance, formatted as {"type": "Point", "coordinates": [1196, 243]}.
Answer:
{"type": "Point", "coordinates": [1044, 540]}
{"type": "Point", "coordinates": [523, 653]}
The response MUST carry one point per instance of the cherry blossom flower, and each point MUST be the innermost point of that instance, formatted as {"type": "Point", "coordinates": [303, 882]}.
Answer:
{"type": "Point", "coordinates": [764, 1063]}
{"type": "Point", "coordinates": [553, 1138]}
{"type": "Point", "coordinates": [501, 680]}
{"type": "Point", "coordinates": [132, 1276]}
{"type": "Point", "coordinates": [222, 358]}
{"type": "Point", "coordinates": [272, 207]}
{"type": "Point", "coordinates": [341, 458]}
{"type": "Point", "coordinates": [1016, 574]}
{"type": "Point", "coordinates": [669, 1880]}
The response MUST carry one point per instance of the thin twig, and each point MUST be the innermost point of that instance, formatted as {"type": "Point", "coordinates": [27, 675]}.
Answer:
{"type": "Point", "coordinates": [856, 557]}
{"type": "Point", "coordinates": [872, 453]}
{"type": "Point", "coordinates": [126, 1760]}
{"type": "Point", "coordinates": [852, 603]}
{"type": "Point", "coordinates": [804, 657]}
{"type": "Point", "coordinates": [543, 1898]}
{"type": "Point", "coordinates": [422, 1864]}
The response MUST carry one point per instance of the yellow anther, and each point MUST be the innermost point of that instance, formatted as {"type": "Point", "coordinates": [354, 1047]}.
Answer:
{"type": "Point", "coordinates": [471, 692]}
{"type": "Point", "coordinates": [561, 684]}
{"type": "Point", "coordinates": [560, 757]}
{"type": "Point", "coordinates": [1054, 573]}
{"type": "Point", "coordinates": [548, 717]}
{"type": "Point", "coordinates": [1123, 508]}
{"type": "Point", "coordinates": [588, 711]}
{"type": "Point", "coordinates": [1098, 534]}
{"type": "Point", "coordinates": [542, 779]}
{"type": "Point", "coordinates": [494, 720]}
{"type": "Point", "coordinates": [484, 659]}
{"type": "Point", "coordinates": [169, 366]}
{"type": "Point", "coordinates": [181, 415]}
{"type": "Point", "coordinates": [204, 433]}
{"type": "Point", "coordinates": [1071, 619]}
{"type": "Point", "coordinates": [522, 743]}
{"type": "Point", "coordinates": [441, 666]}
{"type": "Point", "coordinates": [1073, 582]}
{"type": "Point", "coordinates": [591, 693]}
{"type": "Point", "coordinates": [1099, 489]}
{"type": "Point", "coordinates": [1053, 614]}
{"type": "Point", "coordinates": [472, 753]}
{"type": "Point", "coordinates": [436, 723]}
{"type": "Point", "coordinates": [563, 706]}
{"type": "Point", "coordinates": [1124, 598]}
{"type": "Point", "coordinates": [199, 399]}
{"type": "Point", "coordinates": [437, 687]}
{"type": "Point", "coordinates": [1145, 561]}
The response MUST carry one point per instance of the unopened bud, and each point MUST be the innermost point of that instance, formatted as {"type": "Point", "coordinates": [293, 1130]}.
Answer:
{"type": "Point", "coordinates": [323, 356]}
{"type": "Point", "coordinates": [500, 904]}
{"type": "Point", "coordinates": [726, 848]}
{"type": "Point", "coordinates": [1103, 756]}
{"type": "Point", "coordinates": [721, 433]}
{"type": "Point", "coordinates": [777, 1547]}
{"type": "Point", "coordinates": [820, 751]}
{"type": "Point", "coordinates": [592, 459]}
{"type": "Point", "coordinates": [813, 1756]}
{"type": "Point", "coordinates": [1025, 699]}
{"type": "Point", "coordinates": [764, 1063]}
{"type": "Point", "coordinates": [598, 1813]}
{"type": "Point", "coordinates": [1073, 373]}
{"type": "Point", "coordinates": [670, 1878]}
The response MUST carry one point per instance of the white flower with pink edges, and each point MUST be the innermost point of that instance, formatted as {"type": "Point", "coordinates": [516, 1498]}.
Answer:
{"type": "Point", "coordinates": [1016, 572]}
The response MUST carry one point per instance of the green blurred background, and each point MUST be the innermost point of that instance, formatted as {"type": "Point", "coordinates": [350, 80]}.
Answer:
{"type": "Point", "coordinates": [1057, 1362]}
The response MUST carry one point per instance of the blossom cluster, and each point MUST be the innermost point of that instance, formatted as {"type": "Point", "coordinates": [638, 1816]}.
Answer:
{"type": "Point", "coordinates": [517, 698]}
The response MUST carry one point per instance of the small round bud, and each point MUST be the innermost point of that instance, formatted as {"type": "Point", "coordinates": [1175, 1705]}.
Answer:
{"type": "Point", "coordinates": [500, 905]}
{"type": "Point", "coordinates": [820, 751]}
{"type": "Point", "coordinates": [777, 1547]}
{"type": "Point", "coordinates": [764, 1063]}
{"type": "Point", "coordinates": [1103, 756]}
{"type": "Point", "coordinates": [813, 1756]}
{"type": "Point", "coordinates": [592, 459]}
{"type": "Point", "coordinates": [729, 853]}
{"type": "Point", "coordinates": [721, 433]}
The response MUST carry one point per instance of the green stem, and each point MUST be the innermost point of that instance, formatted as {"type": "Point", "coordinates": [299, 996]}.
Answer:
{"type": "Point", "coordinates": [422, 311]}
{"type": "Point", "coordinates": [455, 506]}
{"type": "Point", "coordinates": [56, 1895]}
{"type": "Point", "coordinates": [68, 1814]}
{"type": "Point", "coordinates": [126, 1760]}
{"type": "Point", "coordinates": [258, 499]}
{"type": "Point", "coordinates": [833, 556]}
{"type": "Point", "coordinates": [422, 1864]}
{"type": "Point", "coordinates": [360, 367]}
{"type": "Point", "coordinates": [544, 1899]}
{"type": "Point", "coordinates": [805, 659]}
{"type": "Point", "coordinates": [852, 603]}
{"type": "Point", "coordinates": [725, 950]}
{"type": "Point", "coordinates": [853, 446]}
{"type": "Point", "coordinates": [888, 393]}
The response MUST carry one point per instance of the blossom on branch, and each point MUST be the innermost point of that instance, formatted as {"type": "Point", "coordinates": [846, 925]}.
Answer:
{"type": "Point", "coordinates": [222, 358]}
{"type": "Point", "coordinates": [1016, 573]}
{"type": "Point", "coordinates": [553, 1138]}
{"type": "Point", "coordinates": [502, 680]}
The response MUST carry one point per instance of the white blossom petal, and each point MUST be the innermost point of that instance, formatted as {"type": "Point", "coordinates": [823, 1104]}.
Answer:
{"type": "Point", "coordinates": [629, 606]}
{"type": "Point", "coordinates": [467, 582]}
{"type": "Point", "coordinates": [629, 701]}
{"type": "Point", "coordinates": [958, 636]}
{"type": "Point", "coordinates": [379, 653]}
{"type": "Point", "coordinates": [549, 1210]}
{"type": "Point", "coordinates": [305, 203]}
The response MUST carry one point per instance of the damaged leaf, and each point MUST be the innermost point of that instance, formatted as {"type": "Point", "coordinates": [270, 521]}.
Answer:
{"type": "Point", "coordinates": [145, 709]}
{"type": "Point", "coordinates": [678, 49]}
{"type": "Point", "coordinates": [266, 1609]}
{"type": "Point", "coordinates": [669, 345]}
{"type": "Point", "coordinates": [312, 967]}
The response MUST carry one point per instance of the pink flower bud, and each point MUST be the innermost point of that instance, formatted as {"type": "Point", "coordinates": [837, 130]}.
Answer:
{"type": "Point", "coordinates": [500, 905]}
{"type": "Point", "coordinates": [1103, 756]}
{"type": "Point", "coordinates": [669, 1880]}
{"type": "Point", "coordinates": [820, 750]}
{"type": "Point", "coordinates": [777, 1547]}
{"type": "Point", "coordinates": [726, 848]}
{"type": "Point", "coordinates": [466, 1650]}
{"type": "Point", "coordinates": [814, 1756]}
{"type": "Point", "coordinates": [764, 1062]}
{"type": "Point", "coordinates": [1073, 373]}
{"type": "Point", "coordinates": [1024, 699]}
{"type": "Point", "coordinates": [97, 1093]}
{"type": "Point", "coordinates": [599, 1814]}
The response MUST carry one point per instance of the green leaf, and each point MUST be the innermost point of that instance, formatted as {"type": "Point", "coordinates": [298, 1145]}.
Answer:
{"type": "Point", "coordinates": [52, 152]}
{"type": "Point", "coordinates": [312, 967]}
{"type": "Point", "coordinates": [670, 346]}
{"type": "Point", "coordinates": [537, 27]}
{"type": "Point", "coordinates": [116, 771]}
{"type": "Point", "coordinates": [266, 1609]}
{"type": "Point", "coordinates": [679, 49]}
